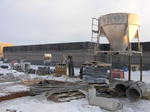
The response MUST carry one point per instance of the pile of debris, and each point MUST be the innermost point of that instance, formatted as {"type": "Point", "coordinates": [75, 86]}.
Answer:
{"type": "Point", "coordinates": [59, 91]}
{"type": "Point", "coordinates": [95, 72]}
{"type": "Point", "coordinates": [26, 67]}
{"type": "Point", "coordinates": [45, 71]}
{"type": "Point", "coordinates": [101, 95]}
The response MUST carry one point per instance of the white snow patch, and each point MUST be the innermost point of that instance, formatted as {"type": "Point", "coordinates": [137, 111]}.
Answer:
{"type": "Point", "coordinates": [136, 76]}
{"type": "Point", "coordinates": [8, 89]}
{"type": "Point", "coordinates": [40, 104]}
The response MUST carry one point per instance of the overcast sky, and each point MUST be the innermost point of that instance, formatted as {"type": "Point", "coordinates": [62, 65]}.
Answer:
{"type": "Point", "coordinates": [55, 21]}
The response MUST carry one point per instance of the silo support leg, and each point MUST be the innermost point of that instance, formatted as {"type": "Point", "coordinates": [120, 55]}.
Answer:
{"type": "Point", "coordinates": [129, 67]}
{"type": "Point", "coordinates": [141, 66]}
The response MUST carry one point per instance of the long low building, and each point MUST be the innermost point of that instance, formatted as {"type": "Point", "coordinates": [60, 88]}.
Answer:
{"type": "Point", "coordinates": [80, 51]}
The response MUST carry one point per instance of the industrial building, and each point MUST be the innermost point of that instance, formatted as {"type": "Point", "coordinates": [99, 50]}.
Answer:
{"type": "Point", "coordinates": [2, 45]}
{"type": "Point", "coordinates": [81, 52]}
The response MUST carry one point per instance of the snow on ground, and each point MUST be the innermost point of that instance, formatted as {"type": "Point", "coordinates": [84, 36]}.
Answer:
{"type": "Point", "coordinates": [11, 87]}
{"type": "Point", "coordinates": [40, 104]}
{"type": "Point", "coordinates": [140, 106]}
{"type": "Point", "coordinates": [51, 77]}
{"type": "Point", "coordinates": [136, 76]}
{"type": "Point", "coordinates": [10, 71]}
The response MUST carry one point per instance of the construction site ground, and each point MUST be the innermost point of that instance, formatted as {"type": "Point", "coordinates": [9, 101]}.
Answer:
{"type": "Point", "coordinates": [39, 103]}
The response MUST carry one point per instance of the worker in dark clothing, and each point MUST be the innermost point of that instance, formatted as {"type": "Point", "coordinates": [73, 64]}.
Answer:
{"type": "Point", "coordinates": [70, 66]}
{"type": "Point", "coordinates": [81, 72]}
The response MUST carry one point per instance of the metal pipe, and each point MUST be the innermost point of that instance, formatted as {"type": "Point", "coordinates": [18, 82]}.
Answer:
{"type": "Point", "coordinates": [136, 91]}
{"type": "Point", "coordinates": [121, 88]}
{"type": "Point", "coordinates": [111, 77]}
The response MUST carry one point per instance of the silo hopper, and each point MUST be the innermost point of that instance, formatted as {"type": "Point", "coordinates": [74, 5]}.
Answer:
{"type": "Point", "coordinates": [119, 29]}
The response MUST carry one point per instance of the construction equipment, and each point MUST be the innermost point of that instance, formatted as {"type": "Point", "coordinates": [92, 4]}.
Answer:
{"type": "Point", "coordinates": [120, 29]}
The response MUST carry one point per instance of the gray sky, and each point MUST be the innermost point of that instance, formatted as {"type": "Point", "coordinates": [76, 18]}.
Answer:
{"type": "Point", "coordinates": [55, 21]}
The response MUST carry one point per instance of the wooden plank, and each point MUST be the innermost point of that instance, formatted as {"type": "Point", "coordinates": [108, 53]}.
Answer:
{"type": "Point", "coordinates": [14, 95]}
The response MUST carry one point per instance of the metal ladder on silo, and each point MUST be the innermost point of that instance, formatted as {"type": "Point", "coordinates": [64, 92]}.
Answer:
{"type": "Point", "coordinates": [95, 34]}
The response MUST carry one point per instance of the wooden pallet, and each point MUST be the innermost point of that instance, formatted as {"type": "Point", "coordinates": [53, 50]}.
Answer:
{"type": "Point", "coordinates": [66, 96]}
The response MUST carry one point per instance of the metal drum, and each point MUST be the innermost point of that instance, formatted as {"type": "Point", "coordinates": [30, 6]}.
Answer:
{"type": "Point", "coordinates": [136, 91]}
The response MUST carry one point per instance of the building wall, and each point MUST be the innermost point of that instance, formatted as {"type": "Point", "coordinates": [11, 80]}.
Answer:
{"type": "Point", "coordinates": [79, 56]}
{"type": "Point", "coordinates": [81, 52]}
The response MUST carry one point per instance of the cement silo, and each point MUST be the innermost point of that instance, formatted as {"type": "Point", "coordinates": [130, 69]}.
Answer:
{"type": "Point", "coordinates": [119, 29]}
